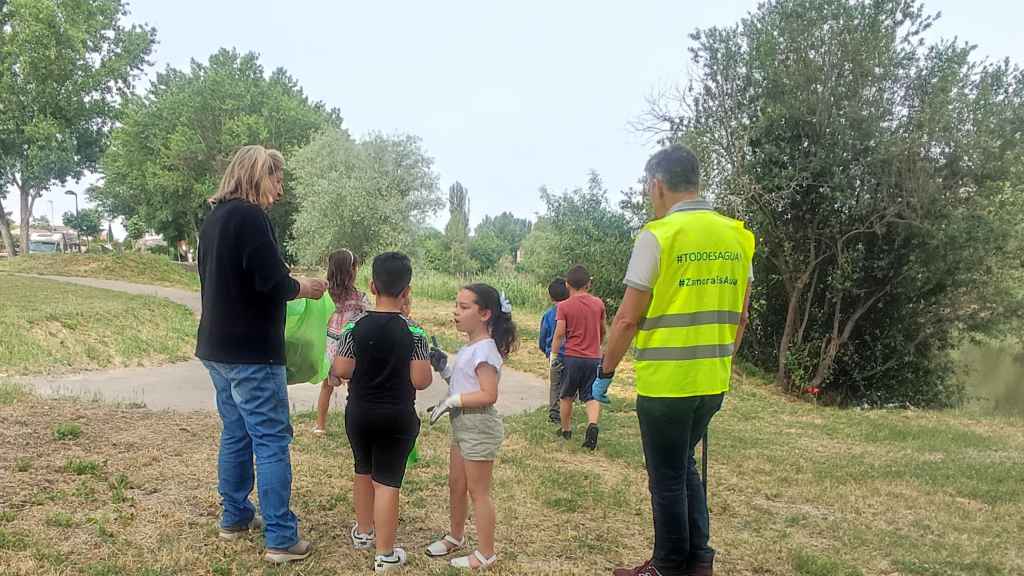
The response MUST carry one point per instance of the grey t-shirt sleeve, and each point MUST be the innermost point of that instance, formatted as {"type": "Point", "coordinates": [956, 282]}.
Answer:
{"type": "Point", "coordinates": [644, 263]}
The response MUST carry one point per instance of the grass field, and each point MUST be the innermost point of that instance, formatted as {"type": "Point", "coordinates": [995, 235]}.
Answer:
{"type": "Point", "coordinates": [102, 490]}
{"type": "Point", "coordinates": [99, 490]}
{"type": "Point", "coordinates": [50, 327]}
{"type": "Point", "coordinates": [129, 267]}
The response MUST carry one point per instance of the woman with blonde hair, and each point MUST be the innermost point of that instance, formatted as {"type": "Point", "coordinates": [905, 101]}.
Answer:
{"type": "Point", "coordinates": [245, 287]}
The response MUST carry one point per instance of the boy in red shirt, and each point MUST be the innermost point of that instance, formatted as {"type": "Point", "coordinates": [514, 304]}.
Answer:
{"type": "Point", "coordinates": [580, 323]}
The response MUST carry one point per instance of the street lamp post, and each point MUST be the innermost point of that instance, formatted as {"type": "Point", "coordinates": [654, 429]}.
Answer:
{"type": "Point", "coordinates": [75, 194]}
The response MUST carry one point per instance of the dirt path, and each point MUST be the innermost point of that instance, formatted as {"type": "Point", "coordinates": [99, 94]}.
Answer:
{"type": "Point", "coordinates": [186, 387]}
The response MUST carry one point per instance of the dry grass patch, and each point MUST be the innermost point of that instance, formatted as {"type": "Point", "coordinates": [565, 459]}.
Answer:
{"type": "Point", "coordinates": [436, 317]}
{"type": "Point", "coordinates": [794, 490]}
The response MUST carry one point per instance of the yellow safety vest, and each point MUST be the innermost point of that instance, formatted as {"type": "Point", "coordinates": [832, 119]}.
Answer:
{"type": "Point", "coordinates": [685, 343]}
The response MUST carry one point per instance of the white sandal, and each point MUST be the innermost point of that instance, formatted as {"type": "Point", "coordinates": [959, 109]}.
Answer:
{"type": "Point", "coordinates": [485, 562]}
{"type": "Point", "coordinates": [445, 546]}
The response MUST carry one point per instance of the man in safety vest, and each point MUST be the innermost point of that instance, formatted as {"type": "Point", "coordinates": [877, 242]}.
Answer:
{"type": "Point", "coordinates": [686, 301]}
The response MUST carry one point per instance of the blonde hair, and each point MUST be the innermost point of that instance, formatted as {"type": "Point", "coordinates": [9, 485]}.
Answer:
{"type": "Point", "coordinates": [250, 175]}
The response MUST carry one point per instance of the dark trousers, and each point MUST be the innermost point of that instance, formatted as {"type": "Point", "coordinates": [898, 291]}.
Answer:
{"type": "Point", "coordinates": [670, 429]}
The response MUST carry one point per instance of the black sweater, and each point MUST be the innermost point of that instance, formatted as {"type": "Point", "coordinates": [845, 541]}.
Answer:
{"type": "Point", "coordinates": [245, 287]}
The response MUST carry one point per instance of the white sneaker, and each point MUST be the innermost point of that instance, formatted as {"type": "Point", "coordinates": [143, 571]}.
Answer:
{"type": "Point", "coordinates": [393, 562]}
{"type": "Point", "coordinates": [362, 541]}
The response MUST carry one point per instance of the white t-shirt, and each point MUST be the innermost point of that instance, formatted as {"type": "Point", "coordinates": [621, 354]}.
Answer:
{"type": "Point", "coordinates": [464, 380]}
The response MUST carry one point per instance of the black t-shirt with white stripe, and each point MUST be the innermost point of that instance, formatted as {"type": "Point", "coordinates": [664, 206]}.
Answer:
{"type": "Point", "coordinates": [383, 344]}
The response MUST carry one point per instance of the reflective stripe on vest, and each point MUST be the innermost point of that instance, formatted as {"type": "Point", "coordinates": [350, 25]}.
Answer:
{"type": "Point", "coordinates": [691, 319]}
{"type": "Point", "coordinates": [699, 352]}
{"type": "Point", "coordinates": [685, 344]}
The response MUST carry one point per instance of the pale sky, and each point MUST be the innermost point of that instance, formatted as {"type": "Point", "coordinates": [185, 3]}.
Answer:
{"type": "Point", "coordinates": [507, 97]}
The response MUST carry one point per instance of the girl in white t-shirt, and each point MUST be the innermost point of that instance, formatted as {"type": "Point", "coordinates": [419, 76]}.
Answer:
{"type": "Point", "coordinates": [477, 432]}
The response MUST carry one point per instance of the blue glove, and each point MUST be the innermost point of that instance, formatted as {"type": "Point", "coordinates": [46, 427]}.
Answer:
{"type": "Point", "coordinates": [601, 384]}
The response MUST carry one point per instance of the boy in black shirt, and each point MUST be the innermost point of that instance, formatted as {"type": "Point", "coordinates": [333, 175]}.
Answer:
{"type": "Point", "coordinates": [385, 357]}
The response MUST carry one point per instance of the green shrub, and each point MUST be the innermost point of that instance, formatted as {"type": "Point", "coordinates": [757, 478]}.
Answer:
{"type": "Point", "coordinates": [581, 228]}
{"type": "Point", "coordinates": [82, 467]}
{"type": "Point", "coordinates": [67, 431]}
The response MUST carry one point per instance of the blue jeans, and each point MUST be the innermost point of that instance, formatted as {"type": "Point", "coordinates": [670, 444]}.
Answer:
{"type": "Point", "coordinates": [252, 400]}
{"type": "Point", "coordinates": [670, 429]}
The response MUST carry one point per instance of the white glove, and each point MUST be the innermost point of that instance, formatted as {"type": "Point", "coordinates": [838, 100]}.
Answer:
{"type": "Point", "coordinates": [454, 401]}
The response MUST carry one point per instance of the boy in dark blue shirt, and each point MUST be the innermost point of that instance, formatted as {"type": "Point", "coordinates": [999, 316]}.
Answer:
{"type": "Point", "coordinates": [558, 292]}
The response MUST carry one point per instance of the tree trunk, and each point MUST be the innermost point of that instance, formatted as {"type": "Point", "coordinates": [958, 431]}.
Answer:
{"type": "Point", "coordinates": [792, 317]}
{"type": "Point", "coordinates": [26, 217]}
{"type": "Point", "coordinates": [827, 358]}
{"type": "Point", "coordinates": [5, 231]}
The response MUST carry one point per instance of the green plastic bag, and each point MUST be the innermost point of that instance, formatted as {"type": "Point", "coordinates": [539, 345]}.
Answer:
{"type": "Point", "coordinates": [305, 339]}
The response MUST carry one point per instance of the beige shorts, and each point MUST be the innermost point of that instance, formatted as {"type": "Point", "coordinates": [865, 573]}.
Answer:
{"type": "Point", "coordinates": [477, 432]}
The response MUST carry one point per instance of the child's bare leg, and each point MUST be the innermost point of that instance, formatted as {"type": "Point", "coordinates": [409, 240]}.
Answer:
{"type": "Point", "coordinates": [457, 490]}
{"type": "Point", "coordinates": [478, 477]}
{"type": "Point", "coordinates": [385, 516]}
{"type": "Point", "coordinates": [323, 403]}
{"type": "Point", "coordinates": [593, 411]}
{"type": "Point", "coordinates": [565, 406]}
{"type": "Point", "coordinates": [362, 493]}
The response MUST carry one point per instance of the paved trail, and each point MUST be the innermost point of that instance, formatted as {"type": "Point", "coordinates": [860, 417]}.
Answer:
{"type": "Point", "coordinates": [186, 386]}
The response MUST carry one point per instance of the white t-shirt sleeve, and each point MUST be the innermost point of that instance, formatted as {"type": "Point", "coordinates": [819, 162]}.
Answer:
{"type": "Point", "coordinates": [487, 354]}
{"type": "Point", "coordinates": [464, 379]}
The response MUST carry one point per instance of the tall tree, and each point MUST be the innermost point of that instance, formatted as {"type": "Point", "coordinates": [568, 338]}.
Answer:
{"type": "Point", "coordinates": [135, 230]}
{"type": "Point", "coordinates": [64, 67]}
{"type": "Point", "coordinates": [367, 196]}
{"type": "Point", "coordinates": [88, 222]}
{"type": "Point", "coordinates": [636, 205]}
{"type": "Point", "coordinates": [456, 232]}
{"type": "Point", "coordinates": [41, 222]}
{"type": "Point", "coordinates": [502, 235]}
{"type": "Point", "coordinates": [580, 227]}
{"type": "Point", "coordinates": [879, 172]}
{"type": "Point", "coordinates": [167, 157]}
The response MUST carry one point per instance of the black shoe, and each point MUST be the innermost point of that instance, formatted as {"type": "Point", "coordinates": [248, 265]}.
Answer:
{"type": "Point", "coordinates": [591, 440]}
{"type": "Point", "coordinates": [565, 434]}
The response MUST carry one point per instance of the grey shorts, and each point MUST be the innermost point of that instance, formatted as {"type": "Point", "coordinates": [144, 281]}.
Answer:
{"type": "Point", "coordinates": [477, 432]}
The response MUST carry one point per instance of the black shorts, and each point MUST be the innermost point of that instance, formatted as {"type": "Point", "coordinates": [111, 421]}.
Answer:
{"type": "Point", "coordinates": [578, 376]}
{"type": "Point", "coordinates": [381, 438]}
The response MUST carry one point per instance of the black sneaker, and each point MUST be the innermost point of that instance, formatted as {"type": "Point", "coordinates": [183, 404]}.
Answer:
{"type": "Point", "coordinates": [591, 440]}
{"type": "Point", "coordinates": [565, 434]}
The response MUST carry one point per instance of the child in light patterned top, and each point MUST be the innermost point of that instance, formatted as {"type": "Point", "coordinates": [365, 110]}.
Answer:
{"type": "Point", "coordinates": [349, 302]}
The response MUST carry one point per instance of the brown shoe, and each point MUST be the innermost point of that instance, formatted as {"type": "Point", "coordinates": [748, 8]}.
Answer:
{"type": "Point", "coordinates": [300, 551]}
{"type": "Point", "coordinates": [703, 568]}
{"type": "Point", "coordinates": [645, 569]}
{"type": "Point", "coordinates": [239, 532]}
